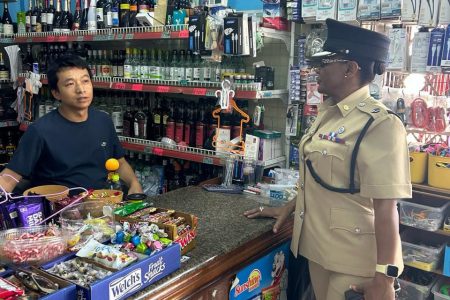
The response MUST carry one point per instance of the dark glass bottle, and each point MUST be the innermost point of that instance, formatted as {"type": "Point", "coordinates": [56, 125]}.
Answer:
{"type": "Point", "coordinates": [156, 121]}
{"type": "Point", "coordinates": [115, 10]}
{"type": "Point", "coordinates": [44, 16]}
{"type": "Point", "coordinates": [124, 13]}
{"type": "Point", "coordinates": [140, 122]}
{"type": "Point", "coordinates": [84, 16]}
{"type": "Point", "coordinates": [77, 16]}
{"type": "Point", "coordinates": [66, 18]}
{"type": "Point", "coordinates": [107, 14]}
{"type": "Point", "coordinates": [57, 17]}
{"type": "Point", "coordinates": [11, 146]}
{"type": "Point", "coordinates": [50, 16]}
{"type": "Point", "coordinates": [28, 17]}
{"type": "Point", "coordinates": [99, 13]}
{"type": "Point", "coordinates": [133, 13]}
{"type": "Point", "coordinates": [34, 14]}
{"type": "Point", "coordinates": [8, 27]}
{"type": "Point", "coordinates": [38, 17]}
{"type": "Point", "coordinates": [128, 120]}
{"type": "Point", "coordinates": [27, 64]}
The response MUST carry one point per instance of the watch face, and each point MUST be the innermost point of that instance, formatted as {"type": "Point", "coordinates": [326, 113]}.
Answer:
{"type": "Point", "coordinates": [392, 271]}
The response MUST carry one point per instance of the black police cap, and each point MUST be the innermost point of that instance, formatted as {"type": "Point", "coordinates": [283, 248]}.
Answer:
{"type": "Point", "coordinates": [354, 42]}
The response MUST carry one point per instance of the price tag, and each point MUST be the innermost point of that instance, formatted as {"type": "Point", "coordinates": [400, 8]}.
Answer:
{"type": "Point", "coordinates": [162, 89]}
{"type": "Point", "coordinates": [110, 37]}
{"type": "Point", "coordinates": [148, 149]}
{"type": "Point", "coordinates": [210, 93]}
{"type": "Point", "coordinates": [165, 35]}
{"type": "Point", "coordinates": [207, 160]}
{"type": "Point", "coordinates": [183, 34]}
{"type": "Point", "coordinates": [158, 151]}
{"type": "Point", "coordinates": [119, 36]}
{"type": "Point", "coordinates": [267, 94]}
{"type": "Point", "coordinates": [80, 38]}
{"type": "Point", "coordinates": [100, 37]}
{"type": "Point", "coordinates": [50, 38]}
{"type": "Point", "coordinates": [129, 36]}
{"type": "Point", "coordinates": [118, 86]}
{"type": "Point", "coordinates": [63, 38]}
{"type": "Point", "coordinates": [137, 87]}
{"type": "Point", "coordinates": [199, 91]}
{"type": "Point", "coordinates": [29, 40]}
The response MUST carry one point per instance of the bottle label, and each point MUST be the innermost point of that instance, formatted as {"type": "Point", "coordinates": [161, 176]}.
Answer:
{"type": "Point", "coordinates": [33, 20]}
{"type": "Point", "coordinates": [140, 129]}
{"type": "Point", "coordinates": [115, 71]}
{"type": "Point", "coordinates": [144, 8]}
{"type": "Point", "coordinates": [144, 72]}
{"type": "Point", "coordinates": [173, 73]}
{"type": "Point", "coordinates": [28, 20]}
{"type": "Point", "coordinates": [62, 30]}
{"type": "Point", "coordinates": [157, 73]}
{"type": "Point", "coordinates": [115, 17]}
{"type": "Point", "coordinates": [181, 74]}
{"type": "Point", "coordinates": [217, 75]}
{"type": "Point", "coordinates": [120, 71]}
{"type": "Point", "coordinates": [4, 75]}
{"type": "Point", "coordinates": [127, 70]}
{"type": "Point", "coordinates": [50, 18]}
{"type": "Point", "coordinates": [133, 8]}
{"type": "Point", "coordinates": [136, 72]}
{"type": "Point", "coordinates": [124, 6]}
{"type": "Point", "coordinates": [189, 74]}
{"type": "Point", "coordinates": [93, 70]}
{"type": "Point", "coordinates": [106, 70]}
{"type": "Point", "coordinates": [179, 132]}
{"type": "Point", "coordinates": [170, 130]}
{"type": "Point", "coordinates": [99, 11]}
{"type": "Point", "coordinates": [165, 117]}
{"type": "Point", "coordinates": [117, 121]}
{"type": "Point", "coordinates": [41, 112]}
{"type": "Point", "coordinates": [92, 25]}
{"type": "Point", "coordinates": [8, 29]}
{"type": "Point", "coordinates": [156, 119]}
{"type": "Point", "coordinates": [206, 74]}
{"type": "Point", "coordinates": [196, 74]}
{"type": "Point", "coordinates": [108, 19]}
{"type": "Point", "coordinates": [44, 18]}
{"type": "Point", "coordinates": [38, 27]}
{"type": "Point", "coordinates": [199, 135]}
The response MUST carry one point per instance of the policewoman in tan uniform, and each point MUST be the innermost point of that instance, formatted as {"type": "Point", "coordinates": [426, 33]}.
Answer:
{"type": "Point", "coordinates": [354, 166]}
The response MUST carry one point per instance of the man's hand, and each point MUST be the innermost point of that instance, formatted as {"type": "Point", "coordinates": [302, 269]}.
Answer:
{"type": "Point", "coordinates": [380, 288]}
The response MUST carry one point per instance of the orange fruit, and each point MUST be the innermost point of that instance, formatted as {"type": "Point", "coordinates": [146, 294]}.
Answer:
{"type": "Point", "coordinates": [112, 164]}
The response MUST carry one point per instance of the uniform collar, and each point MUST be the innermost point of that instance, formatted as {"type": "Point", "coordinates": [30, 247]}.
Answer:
{"type": "Point", "coordinates": [349, 102]}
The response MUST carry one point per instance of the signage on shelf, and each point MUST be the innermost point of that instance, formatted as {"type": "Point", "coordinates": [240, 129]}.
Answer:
{"type": "Point", "coordinates": [208, 160]}
{"type": "Point", "coordinates": [199, 91]}
{"type": "Point", "coordinates": [137, 87]}
{"type": "Point", "coordinates": [162, 89]}
{"type": "Point", "coordinates": [118, 85]}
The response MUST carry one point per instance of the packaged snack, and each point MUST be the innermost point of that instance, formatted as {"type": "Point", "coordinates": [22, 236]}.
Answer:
{"type": "Point", "coordinates": [31, 211]}
{"type": "Point", "coordinates": [130, 208]}
{"type": "Point", "coordinates": [105, 255]}
{"type": "Point", "coordinates": [7, 290]}
{"type": "Point", "coordinates": [142, 212]}
{"type": "Point", "coordinates": [79, 272]}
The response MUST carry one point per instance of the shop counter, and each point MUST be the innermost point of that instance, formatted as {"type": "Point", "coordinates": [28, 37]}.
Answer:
{"type": "Point", "coordinates": [226, 242]}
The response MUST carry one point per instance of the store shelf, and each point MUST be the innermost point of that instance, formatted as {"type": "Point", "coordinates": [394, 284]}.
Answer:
{"type": "Point", "coordinates": [275, 162]}
{"type": "Point", "coordinates": [439, 232]}
{"type": "Point", "coordinates": [115, 34]}
{"type": "Point", "coordinates": [186, 153]}
{"type": "Point", "coordinates": [202, 89]}
{"type": "Point", "coordinates": [426, 189]}
{"type": "Point", "coordinates": [8, 123]}
{"type": "Point", "coordinates": [438, 272]}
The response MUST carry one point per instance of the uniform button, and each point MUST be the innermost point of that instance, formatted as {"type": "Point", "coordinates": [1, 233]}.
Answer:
{"type": "Point", "coordinates": [362, 104]}
{"type": "Point", "coordinates": [302, 214]}
{"type": "Point", "coordinates": [346, 107]}
{"type": "Point", "coordinates": [357, 230]}
{"type": "Point", "coordinates": [324, 152]}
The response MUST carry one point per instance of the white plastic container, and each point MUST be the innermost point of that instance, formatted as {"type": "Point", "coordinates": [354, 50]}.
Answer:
{"type": "Point", "coordinates": [428, 215]}
{"type": "Point", "coordinates": [417, 254]}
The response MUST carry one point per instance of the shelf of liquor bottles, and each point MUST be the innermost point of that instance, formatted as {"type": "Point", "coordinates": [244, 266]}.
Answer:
{"type": "Point", "coordinates": [250, 91]}
{"type": "Point", "coordinates": [183, 152]}
{"type": "Point", "coordinates": [101, 35]}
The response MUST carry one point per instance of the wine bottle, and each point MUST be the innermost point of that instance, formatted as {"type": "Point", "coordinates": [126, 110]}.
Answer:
{"type": "Point", "coordinates": [133, 13]}
{"type": "Point", "coordinates": [28, 17]}
{"type": "Point", "coordinates": [7, 22]}
{"type": "Point", "coordinates": [92, 16]}
{"type": "Point", "coordinates": [44, 15]}
{"type": "Point", "coordinates": [66, 17]}
{"type": "Point", "coordinates": [124, 13]}
{"type": "Point", "coordinates": [34, 14]}
{"type": "Point", "coordinates": [99, 14]}
{"type": "Point", "coordinates": [57, 17]}
{"type": "Point", "coordinates": [115, 13]}
{"type": "Point", "coordinates": [4, 72]}
{"type": "Point", "coordinates": [50, 15]}
{"type": "Point", "coordinates": [107, 14]}
{"type": "Point", "coordinates": [38, 17]}
{"type": "Point", "coordinates": [84, 16]}
{"type": "Point", "coordinates": [77, 16]}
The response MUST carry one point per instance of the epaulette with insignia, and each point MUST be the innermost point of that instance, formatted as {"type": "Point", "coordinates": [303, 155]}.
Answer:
{"type": "Point", "coordinates": [373, 108]}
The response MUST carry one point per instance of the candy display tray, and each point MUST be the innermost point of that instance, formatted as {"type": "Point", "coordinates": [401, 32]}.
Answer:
{"type": "Point", "coordinates": [130, 280]}
{"type": "Point", "coordinates": [186, 240]}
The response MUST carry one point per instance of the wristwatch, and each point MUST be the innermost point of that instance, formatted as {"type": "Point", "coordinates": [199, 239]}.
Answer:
{"type": "Point", "coordinates": [388, 270]}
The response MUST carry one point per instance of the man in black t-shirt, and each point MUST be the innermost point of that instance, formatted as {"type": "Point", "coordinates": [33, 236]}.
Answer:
{"type": "Point", "coordinates": [69, 146]}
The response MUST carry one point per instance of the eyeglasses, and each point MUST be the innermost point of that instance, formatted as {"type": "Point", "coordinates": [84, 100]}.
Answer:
{"type": "Point", "coordinates": [326, 61]}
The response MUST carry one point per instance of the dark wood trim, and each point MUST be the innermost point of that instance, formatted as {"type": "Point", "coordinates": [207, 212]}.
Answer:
{"type": "Point", "coordinates": [223, 266]}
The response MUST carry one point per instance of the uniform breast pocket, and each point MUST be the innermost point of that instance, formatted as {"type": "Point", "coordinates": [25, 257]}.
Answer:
{"type": "Point", "coordinates": [329, 161]}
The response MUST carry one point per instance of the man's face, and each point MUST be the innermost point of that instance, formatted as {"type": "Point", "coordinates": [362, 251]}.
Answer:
{"type": "Point", "coordinates": [74, 88]}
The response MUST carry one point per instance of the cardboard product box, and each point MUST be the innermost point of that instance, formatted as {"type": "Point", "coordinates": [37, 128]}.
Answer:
{"type": "Point", "coordinates": [269, 144]}
{"type": "Point", "coordinates": [410, 10]}
{"type": "Point", "coordinates": [369, 10]}
{"type": "Point", "coordinates": [186, 240]}
{"type": "Point", "coordinates": [197, 29]}
{"type": "Point", "coordinates": [274, 15]}
{"type": "Point", "coordinates": [419, 55]}
{"type": "Point", "coordinates": [130, 280]}
{"type": "Point", "coordinates": [429, 13]}
{"type": "Point", "coordinates": [435, 50]}
{"type": "Point", "coordinates": [231, 35]}
{"type": "Point", "coordinates": [390, 9]}
{"type": "Point", "coordinates": [445, 62]}
{"type": "Point", "coordinates": [326, 9]}
{"type": "Point", "coordinates": [347, 10]}
{"type": "Point", "coordinates": [160, 12]}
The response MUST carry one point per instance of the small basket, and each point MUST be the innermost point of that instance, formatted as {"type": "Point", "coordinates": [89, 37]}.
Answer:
{"type": "Point", "coordinates": [418, 166]}
{"type": "Point", "coordinates": [61, 191]}
{"type": "Point", "coordinates": [439, 171]}
{"type": "Point", "coordinates": [107, 196]}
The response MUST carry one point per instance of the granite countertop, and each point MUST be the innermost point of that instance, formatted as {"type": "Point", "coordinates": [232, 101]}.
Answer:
{"type": "Point", "coordinates": [222, 227]}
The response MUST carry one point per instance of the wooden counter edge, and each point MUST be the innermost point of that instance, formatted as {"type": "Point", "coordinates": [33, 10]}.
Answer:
{"type": "Point", "coordinates": [223, 266]}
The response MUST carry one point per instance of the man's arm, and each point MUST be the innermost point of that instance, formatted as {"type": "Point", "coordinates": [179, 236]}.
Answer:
{"type": "Point", "coordinates": [7, 181]}
{"type": "Point", "coordinates": [128, 176]}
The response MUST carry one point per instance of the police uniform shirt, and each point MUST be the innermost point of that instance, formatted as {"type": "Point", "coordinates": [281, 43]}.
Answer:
{"type": "Point", "coordinates": [336, 230]}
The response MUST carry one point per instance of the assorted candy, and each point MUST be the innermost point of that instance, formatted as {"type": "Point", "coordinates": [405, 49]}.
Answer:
{"type": "Point", "coordinates": [79, 272]}
{"type": "Point", "coordinates": [8, 290]}
{"type": "Point", "coordinates": [441, 149]}
{"type": "Point", "coordinates": [20, 246]}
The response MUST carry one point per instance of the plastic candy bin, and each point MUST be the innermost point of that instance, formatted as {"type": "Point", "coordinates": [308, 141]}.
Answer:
{"type": "Point", "coordinates": [422, 256]}
{"type": "Point", "coordinates": [437, 289]}
{"type": "Point", "coordinates": [439, 171]}
{"type": "Point", "coordinates": [418, 166]}
{"type": "Point", "coordinates": [424, 214]}
{"type": "Point", "coordinates": [413, 291]}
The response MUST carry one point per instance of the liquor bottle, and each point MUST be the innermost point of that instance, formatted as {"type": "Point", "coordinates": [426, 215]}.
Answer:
{"type": "Point", "coordinates": [200, 126]}
{"type": "Point", "coordinates": [159, 66]}
{"type": "Point", "coordinates": [117, 115]}
{"type": "Point", "coordinates": [128, 121]}
{"type": "Point", "coordinates": [2, 152]}
{"type": "Point", "coordinates": [27, 64]}
{"type": "Point", "coordinates": [92, 16]}
{"type": "Point", "coordinates": [57, 17]}
{"type": "Point", "coordinates": [4, 72]}
{"type": "Point", "coordinates": [44, 16]}
{"type": "Point", "coordinates": [182, 66]}
{"type": "Point", "coordinates": [156, 124]}
{"type": "Point", "coordinates": [115, 9]}
{"type": "Point", "coordinates": [28, 17]}
{"type": "Point", "coordinates": [166, 74]}
{"type": "Point", "coordinates": [10, 147]}
{"type": "Point", "coordinates": [164, 116]}
{"type": "Point", "coordinates": [133, 13]}
{"type": "Point", "coordinates": [124, 18]}
{"type": "Point", "coordinates": [179, 123]}
{"type": "Point", "coordinates": [136, 63]}
{"type": "Point", "coordinates": [114, 63]}
{"type": "Point", "coordinates": [98, 62]}
{"type": "Point", "coordinates": [196, 73]}
{"type": "Point", "coordinates": [189, 126]}
{"type": "Point", "coordinates": [144, 71]}
{"type": "Point", "coordinates": [206, 68]}
{"type": "Point", "coordinates": [34, 14]}
{"type": "Point", "coordinates": [7, 22]}
{"type": "Point", "coordinates": [50, 16]}
{"type": "Point", "coordinates": [66, 18]}
{"type": "Point", "coordinates": [99, 14]}
{"type": "Point", "coordinates": [84, 16]}
{"type": "Point", "coordinates": [128, 64]}
{"type": "Point", "coordinates": [174, 66]}
{"type": "Point", "coordinates": [106, 65]}
{"type": "Point", "coordinates": [189, 66]}
{"type": "Point", "coordinates": [140, 122]}
{"type": "Point", "coordinates": [77, 16]}
{"type": "Point", "coordinates": [144, 6]}
{"type": "Point", "coordinates": [43, 58]}
{"type": "Point", "coordinates": [107, 14]}
{"type": "Point", "coordinates": [120, 67]}
{"type": "Point", "coordinates": [38, 17]}
{"type": "Point", "coordinates": [170, 123]}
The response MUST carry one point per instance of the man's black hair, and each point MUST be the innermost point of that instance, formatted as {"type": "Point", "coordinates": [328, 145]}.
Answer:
{"type": "Point", "coordinates": [66, 61]}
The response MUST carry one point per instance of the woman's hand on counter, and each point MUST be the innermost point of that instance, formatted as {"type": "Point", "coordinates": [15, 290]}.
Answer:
{"type": "Point", "coordinates": [280, 214]}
